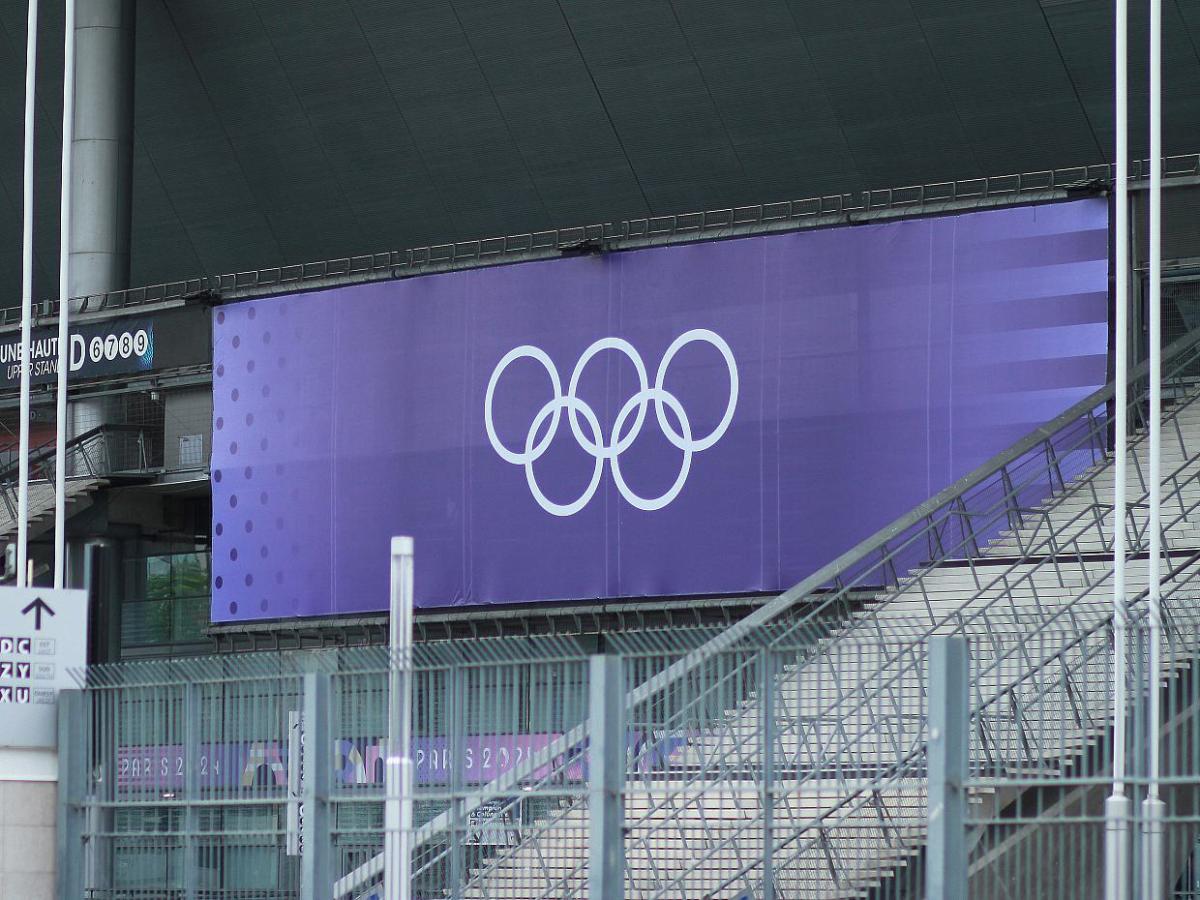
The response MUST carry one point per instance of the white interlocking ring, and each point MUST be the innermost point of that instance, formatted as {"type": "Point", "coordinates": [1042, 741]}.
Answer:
{"type": "Point", "coordinates": [530, 454]}
{"type": "Point", "coordinates": [618, 440]}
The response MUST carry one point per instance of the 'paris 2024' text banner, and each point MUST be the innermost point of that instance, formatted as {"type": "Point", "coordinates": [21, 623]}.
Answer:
{"type": "Point", "coordinates": [705, 419]}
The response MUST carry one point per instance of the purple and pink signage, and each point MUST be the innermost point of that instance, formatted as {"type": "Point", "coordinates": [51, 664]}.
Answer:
{"type": "Point", "coordinates": [703, 419]}
{"type": "Point", "coordinates": [264, 764]}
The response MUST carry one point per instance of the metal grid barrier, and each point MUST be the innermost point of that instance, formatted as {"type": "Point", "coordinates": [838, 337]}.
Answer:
{"type": "Point", "coordinates": [631, 232]}
{"type": "Point", "coordinates": [1038, 829]}
{"type": "Point", "coordinates": [182, 775]}
{"type": "Point", "coordinates": [160, 821]}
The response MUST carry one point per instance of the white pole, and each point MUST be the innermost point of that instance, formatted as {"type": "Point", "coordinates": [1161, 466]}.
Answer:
{"type": "Point", "coordinates": [1117, 808]}
{"type": "Point", "coordinates": [26, 293]}
{"type": "Point", "coordinates": [397, 838]}
{"type": "Point", "coordinates": [64, 302]}
{"type": "Point", "coordinates": [1153, 809]}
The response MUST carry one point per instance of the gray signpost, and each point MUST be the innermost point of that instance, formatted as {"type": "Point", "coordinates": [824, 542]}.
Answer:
{"type": "Point", "coordinates": [43, 635]}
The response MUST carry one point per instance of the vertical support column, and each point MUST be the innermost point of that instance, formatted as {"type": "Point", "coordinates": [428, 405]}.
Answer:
{"type": "Point", "coordinates": [31, 35]}
{"type": "Point", "coordinates": [1153, 808]}
{"type": "Point", "coordinates": [606, 779]}
{"type": "Point", "coordinates": [64, 308]}
{"type": "Point", "coordinates": [456, 712]}
{"type": "Point", "coordinates": [72, 789]}
{"type": "Point", "coordinates": [101, 169]}
{"type": "Point", "coordinates": [766, 704]}
{"type": "Point", "coordinates": [946, 857]}
{"type": "Point", "coordinates": [1116, 806]}
{"type": "Point", "coordinates": [398, 772]}
{"type": "Point", "coordinates": [316, 864]}
{"type": "Point", "coordinates": [191, 790]}
{"type": "Point", "coordinates": [102, 148]}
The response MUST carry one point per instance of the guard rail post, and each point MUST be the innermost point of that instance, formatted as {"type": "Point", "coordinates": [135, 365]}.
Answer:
{"type": "Point", "coordinates": [191, 790]}
{"type": "Point", "coordinates": [456, 713]}
{"type": "Point", "coordinates": [72, 789]}
{"type": "Point", "coordinates": [946, 855]}
{"type": "Point", "coordinates": [606, 779]}
{"type": "Point", "coordinates": [316, 865]}
{"type": "Point", "coordinates": [766, 693]}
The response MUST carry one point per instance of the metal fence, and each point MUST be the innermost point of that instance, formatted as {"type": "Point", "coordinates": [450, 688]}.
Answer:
{"type": "Point", "coordinates": [177, 774]}
{"type": "Point", "coordinates": [1039, 832]}
{"type": "Point", "coordinates": [185, 783]}
{"type": "Point", "coordinates": [182, 779]}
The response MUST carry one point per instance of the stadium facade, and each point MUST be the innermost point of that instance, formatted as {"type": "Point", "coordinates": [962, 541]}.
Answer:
{"type": "Point", "coordinates": [198, 173]}
{"type": "Point", "coordinates": [548, 177]}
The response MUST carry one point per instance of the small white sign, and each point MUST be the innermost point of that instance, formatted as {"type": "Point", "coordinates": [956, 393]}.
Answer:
{"type": "Point", "coordinates": [43, 635]}
{"type": "Point", "coordinates": [491, 825]}
{"type": "Point", "coordinates": [295, 784]}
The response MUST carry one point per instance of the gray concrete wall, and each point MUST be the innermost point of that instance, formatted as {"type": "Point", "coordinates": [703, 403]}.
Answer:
{"type": "Point", "coordinates": [27, 839]}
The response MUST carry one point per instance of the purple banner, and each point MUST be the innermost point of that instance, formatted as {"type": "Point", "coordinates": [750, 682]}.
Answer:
{"type": "Point", "coordinates": [704, 419]}
{"type": "Point", "coordinates": [164, 766]}
{"type": "Point", "coordinates": [484, 757]}
{"type": "Point", "coordinates": [263, 764]}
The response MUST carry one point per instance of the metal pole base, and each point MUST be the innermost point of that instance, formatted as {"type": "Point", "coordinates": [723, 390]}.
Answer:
{"type": "Point", "coordinates": [1154, 811]}
{"type": "Point", "coordinates": [397, 823]}
{"type": "Point", "coordinates": [1116, 847]}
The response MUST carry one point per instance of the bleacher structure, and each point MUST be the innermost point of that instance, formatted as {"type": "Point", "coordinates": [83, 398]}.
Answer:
{"type": "Point", "coordinates": [785, 756]}
{"type": "Point", "coordinates": [1017, 559]}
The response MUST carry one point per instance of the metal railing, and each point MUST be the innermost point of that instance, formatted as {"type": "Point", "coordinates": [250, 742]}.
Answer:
{"type": "Point", "coordinates": [96, 453]}
{"type": "Point", "coordinates": [957, 531]}
{"type": "Point", "coordinates": [181, 786]}
{"type": "Point", "coordinates": [1046, 837]}
{"type": "Point", "coordinates": [788, 214]}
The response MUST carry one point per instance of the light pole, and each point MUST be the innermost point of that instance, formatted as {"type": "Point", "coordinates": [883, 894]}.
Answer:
{"type": "Point", "coordinates": [1153, 808]}
{"type": "Point", "coordinates": [397, 838]}
{"type": "Point", "coordinates": [64, 302]}
{"type": "Point", "coordinates": [26, 291]}
{"type": "Point", "coordinates": [1117, 807]}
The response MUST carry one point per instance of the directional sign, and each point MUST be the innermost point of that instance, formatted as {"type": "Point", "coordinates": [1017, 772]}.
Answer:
{"type": "Point", "coordinates": [43, 636]}
{"type": "Point", "coordinates": [37, 607]}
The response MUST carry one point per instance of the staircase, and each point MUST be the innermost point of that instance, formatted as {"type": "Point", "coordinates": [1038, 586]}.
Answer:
{"type": "Point", "coordinates": [91, 458]}
{"type": "Point", "coordinates": [41, 503]}
{"type": "Point", "coordinates": [1016, 558]}
{"type": "Point", "coordinates": [855, 706]}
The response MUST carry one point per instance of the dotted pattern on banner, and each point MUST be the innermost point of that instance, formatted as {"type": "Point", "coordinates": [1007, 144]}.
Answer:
{"type": "Point", "coordinates": [270, 506]}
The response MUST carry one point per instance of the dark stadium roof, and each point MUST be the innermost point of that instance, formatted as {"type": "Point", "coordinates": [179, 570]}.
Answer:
{"type": "Point", "coordinates": [272, 131]}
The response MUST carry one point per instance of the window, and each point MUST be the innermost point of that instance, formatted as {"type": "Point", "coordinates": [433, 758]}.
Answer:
{"type": "Point", "coordinates": [167, 603]}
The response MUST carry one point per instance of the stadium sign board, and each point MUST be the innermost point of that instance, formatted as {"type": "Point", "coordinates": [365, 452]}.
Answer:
{"type": "Point", "coordinates": [109, 347]}
{"type": "Point", "coordinates": [43, 637]}
{"type": "Point", "coordinates": [713, 418]}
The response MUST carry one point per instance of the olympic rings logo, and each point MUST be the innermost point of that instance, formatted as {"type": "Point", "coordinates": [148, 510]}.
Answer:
{"type": "Point", "coordinates": [593, 441]}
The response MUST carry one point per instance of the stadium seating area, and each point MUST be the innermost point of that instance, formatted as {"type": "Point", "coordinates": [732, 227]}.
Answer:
{"type": "Point", "coordinates": [848, 814]}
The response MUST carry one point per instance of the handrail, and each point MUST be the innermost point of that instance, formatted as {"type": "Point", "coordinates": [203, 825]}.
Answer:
{"type": "Point", "coordinates": [904, 766]}
{"type": "Point", "coordinates": [828, 816]}
{"type": "Point", "coordinates": [830, 573]}
{"type": "Point", "coordinates": [1053, 463]}
{"type": "Point", "coordinates": [742, 629]}
{"type": "Point", "coordinates": [47, 450]}
{"type": "Point", "coordinates": [978, 615]}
